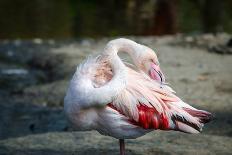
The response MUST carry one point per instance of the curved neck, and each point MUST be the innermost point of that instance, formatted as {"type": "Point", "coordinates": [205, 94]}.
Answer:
{"type": "Point", "coordinates": [90, 96]}
{"type": "Point", "coordinates": [123, 45]}
{"type": "Point", "coordinates": [106, 93]}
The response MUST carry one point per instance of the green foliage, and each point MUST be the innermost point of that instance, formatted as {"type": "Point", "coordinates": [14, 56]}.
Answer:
{"type": "Point", "coordinates": [78, 18]}
{"type": "Point", "coordinates": [189, 17]}
{"type": "Point", "coordinates": [35, 18]}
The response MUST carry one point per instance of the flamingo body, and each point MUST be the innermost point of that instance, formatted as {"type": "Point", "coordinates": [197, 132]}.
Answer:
{"type": "Point", "coordinates": [126, 102]}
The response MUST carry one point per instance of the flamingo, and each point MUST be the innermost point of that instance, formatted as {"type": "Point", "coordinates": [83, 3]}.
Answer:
{"type": "Point", "coordinates": [127, 101]}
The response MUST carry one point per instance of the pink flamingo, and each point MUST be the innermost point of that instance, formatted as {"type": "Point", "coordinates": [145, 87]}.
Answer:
{"type": "Point", "coordinates": [124, 101]}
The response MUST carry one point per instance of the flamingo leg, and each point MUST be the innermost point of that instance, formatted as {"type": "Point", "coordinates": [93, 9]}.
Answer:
{"type": "Point", "coordinates": [122, 146]}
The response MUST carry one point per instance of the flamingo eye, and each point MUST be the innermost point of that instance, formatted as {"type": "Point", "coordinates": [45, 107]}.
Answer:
{"type": "Point", "coordinates": [156, 62]}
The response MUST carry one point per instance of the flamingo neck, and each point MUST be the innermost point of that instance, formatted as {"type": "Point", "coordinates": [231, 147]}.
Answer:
{"type": "Point", "coordinates": [106, 93]}
{"type": "Point", "coordinates": [101, 96]}
{"type": "Point", "coordinates": [124, 45]}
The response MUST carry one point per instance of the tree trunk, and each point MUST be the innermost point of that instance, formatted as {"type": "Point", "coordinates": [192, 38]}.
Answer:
{"type": "Point", "coordinates": [212, 15]}
{"type": "Point", "coordinates": [165, 17]}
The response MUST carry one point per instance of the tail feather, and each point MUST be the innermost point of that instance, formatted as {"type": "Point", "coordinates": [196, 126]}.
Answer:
{"type": "Point", "coordinates": [186, 125]}
{"type": "Point", "coordinates": [186, 128]}
{"type": "Point", "coordinates": [202, 115]}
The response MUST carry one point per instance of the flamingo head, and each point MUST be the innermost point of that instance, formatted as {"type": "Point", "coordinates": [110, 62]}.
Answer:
{"type": "Point", "coordinates": [147, 61]}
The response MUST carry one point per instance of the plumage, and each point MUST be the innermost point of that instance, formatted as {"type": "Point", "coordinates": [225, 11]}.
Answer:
{"type": "Point", "coordinates": [124, 102]}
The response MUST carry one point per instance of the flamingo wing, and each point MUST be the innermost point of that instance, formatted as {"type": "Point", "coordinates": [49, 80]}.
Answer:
{"type": "Point", "coordinates": [148, 106]}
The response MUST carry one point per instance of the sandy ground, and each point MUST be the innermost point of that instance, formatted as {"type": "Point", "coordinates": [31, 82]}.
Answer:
{"type": "Point", "coordinates": [31, 103]}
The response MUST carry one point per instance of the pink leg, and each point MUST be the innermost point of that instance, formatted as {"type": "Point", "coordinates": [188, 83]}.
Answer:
{"type": "Point", "coordinates": [122, 146]}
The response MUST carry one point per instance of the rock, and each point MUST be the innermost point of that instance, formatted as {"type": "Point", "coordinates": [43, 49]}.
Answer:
{"type": "Point", "coordinates": [220, 49]}
{"type": "Point", "coordinates": [229, 43]}
{"type": "Point", "coordinates": [48, 63]}
{"type": "Point", "coordinates": [223, 48]}
{"type": "Point", "coordinates": [202, 78]}
{"type": "Point", "coordinates": [20, 119]}
{"type": "Point", "coordinates": [38, 41]}
{"type": "Point", "coordinates": [88, 143]}
{"type": "Point", "coordinates": [204, 41]}
{"type": "Point", "coordinates": [224, 87]}
{"type": "Point", "coordinates": [51, 94]}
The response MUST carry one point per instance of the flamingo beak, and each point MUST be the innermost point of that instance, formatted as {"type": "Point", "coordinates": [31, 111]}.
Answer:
{"type": "Point", "coordinates": [156, 73]}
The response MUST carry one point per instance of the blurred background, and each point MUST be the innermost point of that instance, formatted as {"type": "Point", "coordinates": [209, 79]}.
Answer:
{"type": "Point", "coordinates": [43, 41]}
{"type": "Point", "coordinates": [94, 18]}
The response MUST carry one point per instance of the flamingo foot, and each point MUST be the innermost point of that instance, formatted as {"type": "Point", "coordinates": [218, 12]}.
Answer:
{"type": "Point", "coordinates": [122, 146]}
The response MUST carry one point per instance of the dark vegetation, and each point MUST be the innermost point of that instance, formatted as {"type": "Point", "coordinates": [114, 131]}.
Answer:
{"type": "Point", "coordinates": [92, 18]}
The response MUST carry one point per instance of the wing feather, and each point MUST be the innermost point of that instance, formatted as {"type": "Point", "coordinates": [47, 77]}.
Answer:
{"type": "Point", "coordinates": [146, 104]}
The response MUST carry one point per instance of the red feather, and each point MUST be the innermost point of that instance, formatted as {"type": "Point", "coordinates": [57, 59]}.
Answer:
{"type": "Point", "coordinates": [149, 118]}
